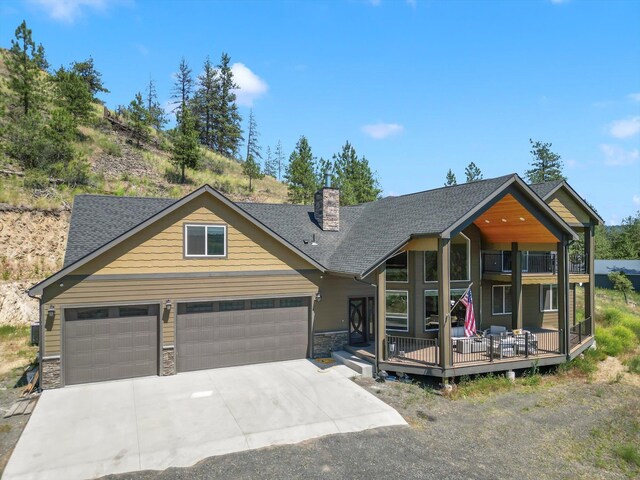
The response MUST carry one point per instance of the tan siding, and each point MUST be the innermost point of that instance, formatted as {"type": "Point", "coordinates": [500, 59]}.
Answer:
{"type": "Point", "coordinates": [91, 292]}
{"type": "Point", "coordinates": [332, 312]}
{"type": "Point", "coordinates": [567, 208]}
{"type": "Point", "coordinates": [159, 248]}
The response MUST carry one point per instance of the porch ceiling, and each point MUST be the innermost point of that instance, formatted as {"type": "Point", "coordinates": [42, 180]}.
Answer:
{"type": "Point", "coordinates": [509, 221]}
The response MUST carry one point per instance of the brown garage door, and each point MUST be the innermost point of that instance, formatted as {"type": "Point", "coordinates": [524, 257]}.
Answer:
{"type": "Point", "coordinates": [241, 332]}
{"type": "Point", "coordinates": [110, 343]}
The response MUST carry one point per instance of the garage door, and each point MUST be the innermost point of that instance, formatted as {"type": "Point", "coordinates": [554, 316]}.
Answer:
{"type": "Point", "coordinates": [110, 343]}
{"type": "Point", "coordinates": [241, 332]}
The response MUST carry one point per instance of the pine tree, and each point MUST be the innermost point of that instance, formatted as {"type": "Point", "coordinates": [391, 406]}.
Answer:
{"type": "Point", "coordinates": [228, 133]}
{"type": "Point", "coordinates": [280, 160]}
{"type": "Point", "coordinates": [546, 165]}
{"type": "Point", "coordinates": [301, 173]}
{"type": "Point", "coordinates": [138, 119]}
{"type": "Point", "coordinates": [251, 169]}
{"type": "Point", "coordinates": [353, 175]}
{"type": "Point", "coordinates": [25, 63]}
{"type": "Point", "coordinates": [451, 179]}
{"type": "Point", "coordinates": [270, 164]}
{"type": "Point", "coordinates": [206, 103]}
{"type": "Point", "coordinates": [253, 148]}
{"type": "Point", "coordinates": [156, 117]}
{"type": "Point", "coordinates": [73, 95]}
{"type": "Point", "coordinates": [92, 77]}
{"type": "Point", "coordinates": [473, 173]}
{"type": "Point", "coordinates": [185, 152]}
{"type": "Point", "coordinates": [182, 87]}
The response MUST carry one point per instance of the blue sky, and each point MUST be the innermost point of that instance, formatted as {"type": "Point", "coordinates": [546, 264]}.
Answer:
{"type": "Point", "coordinates": [416, 86]}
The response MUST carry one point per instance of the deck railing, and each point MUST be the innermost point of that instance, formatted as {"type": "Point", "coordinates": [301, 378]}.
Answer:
{"type": "Point", "coordinates": [420, 350]}
{"type": "Point", "coordinates": [500, 347]}
{"type": "Point", "coordinates": [579, 332]}
{"type": "Point", "coordinates": [532, 262]}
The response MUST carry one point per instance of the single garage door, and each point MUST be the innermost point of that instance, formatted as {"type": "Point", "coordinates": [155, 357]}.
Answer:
{"type": "Point", "coordinates": [110, 343]}
{"type": "Point", "coordinates": [241, 332]}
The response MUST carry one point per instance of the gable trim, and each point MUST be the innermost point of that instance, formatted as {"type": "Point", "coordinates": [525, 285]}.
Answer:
{"type": "Point", "coordinates": [39, 287]}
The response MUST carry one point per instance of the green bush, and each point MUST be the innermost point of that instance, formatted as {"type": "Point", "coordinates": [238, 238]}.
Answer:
{"type": "Point", "coordinates": [612, 316]}
{"type": "Point", "coordinates": [632, 323]}
{"type": "Point", "coordinates": [36, 180]}
{"type": "Point", "coordinates": [629, 453]}
{"type": "Point", "coordinates": [634, 364]}
{"type": "Point", "coordinates": [616, 340]}
{"type": "Point", "coordinates": [110, 147]}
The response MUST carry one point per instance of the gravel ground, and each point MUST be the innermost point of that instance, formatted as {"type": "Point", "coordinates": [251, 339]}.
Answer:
{"type": "Point", "coordinates": [559, 430]}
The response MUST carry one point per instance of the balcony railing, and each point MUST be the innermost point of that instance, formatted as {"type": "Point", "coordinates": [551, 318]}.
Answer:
{"type": "Point", "coordinates": [532, 262]}
{"type": "Point", "coordinates": [419, 350]}
{"type": "Point", "coordinates": [579, 332]}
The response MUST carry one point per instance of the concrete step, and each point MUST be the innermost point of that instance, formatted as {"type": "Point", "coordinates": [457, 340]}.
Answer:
{"type": "Point", "coordinates": [354, 363]}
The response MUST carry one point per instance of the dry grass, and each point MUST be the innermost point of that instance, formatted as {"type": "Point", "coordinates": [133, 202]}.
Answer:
{"type": "Point", "coordinates": [16, 351]}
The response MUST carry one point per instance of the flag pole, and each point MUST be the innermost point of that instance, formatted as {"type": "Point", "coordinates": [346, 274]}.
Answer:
{"type": "Point", "coordinates": [461, 297]}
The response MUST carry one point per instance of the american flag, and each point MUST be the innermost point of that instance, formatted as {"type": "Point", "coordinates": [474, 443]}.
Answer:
{"type": "Point", "coordinates": [469, 317]}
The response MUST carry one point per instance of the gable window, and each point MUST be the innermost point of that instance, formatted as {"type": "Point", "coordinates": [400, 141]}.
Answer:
{"type": "Point", "coordinates": [460, 256]}
{"type": "Point", "coordinates": [549, 298]}
{"type": "Point", "coordinates": [431, 307]}
{"type": "Point", "coordinates": [398, 268]}
{"type": "Point", "coordinates": [205, 240]}
{"type": "Point", "coordinates": [431, 266]}
{"type": "Point", "coordinates": [501, 299]}
{"type": "Point", "coordinates": [398, 310]}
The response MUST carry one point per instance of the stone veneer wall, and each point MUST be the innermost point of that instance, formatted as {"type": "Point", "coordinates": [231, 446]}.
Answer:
{"type": "Point", "coordinates": [326, 208]}
{"type": "Point", "coordinates": [326, 342]}
{"type": "Point", "coordinates": [51, 374]}
{"type": "Point", "coordinates": [168, 361]}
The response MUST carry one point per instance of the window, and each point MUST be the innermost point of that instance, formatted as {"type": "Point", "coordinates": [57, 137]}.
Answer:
{"type": "Point", "coordinates": [430, 266]}
{"type": "Point", "coordinates": [397, 268]}
{"type": "Point", "coordinates": [92, 313]}
{"type": "Point", "coordinates": [460, 258]}
{"type": "Point", "coordinates": [134, 311]}
{"type": "Point", "coordinates": [549, 298]}
{"type": "Point", "coordinates": [198, 307]}
{"type": "Point", "coordinates": [398, 310]}
{"type": "Point", "coordinates": [205, 240]}
{"type": "Point", "coordinates": [231, 305]}
{"type": "Point", "coordinates": [292, 302]}
{"type": "Point", "coordinates": [501, 295]}
{"type": "Point", "coordinates": [431, 307]}
{"type": "Point", "coordinates": [263, 303]}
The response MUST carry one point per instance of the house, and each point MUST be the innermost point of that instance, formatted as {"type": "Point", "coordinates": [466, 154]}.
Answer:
{"type": "Point", "coordinates": [631, 268]}
{"type": "Point", "coordinates": [161, 286]}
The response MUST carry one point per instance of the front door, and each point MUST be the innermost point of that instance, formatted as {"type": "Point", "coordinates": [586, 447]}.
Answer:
{"type": "Point", "coordinates": [361, 324]}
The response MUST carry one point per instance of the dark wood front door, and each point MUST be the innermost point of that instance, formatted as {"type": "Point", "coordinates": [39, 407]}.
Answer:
{"type": "Point", "coordinates": [361, 324]}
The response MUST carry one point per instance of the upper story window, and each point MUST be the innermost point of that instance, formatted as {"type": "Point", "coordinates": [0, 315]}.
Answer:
{"type": "Point", "coordinates": [205, 240]}
{"type": "Point", "coordinates": [549, 297]}
{"type": "Point", "coordinates": [459, 265]}
{"type": "Point", "coordinates": [398, 268]}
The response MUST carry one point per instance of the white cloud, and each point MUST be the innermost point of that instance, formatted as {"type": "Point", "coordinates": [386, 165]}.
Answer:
{"type": "Point", "coordinates": [68, 11]}
{"type": "Point", "coordinates": [379, 131]}
{"type": "Point", "coordinates": [625, 128]}
{"type": "Point", "coordinates": [635, 97]}
{"type": "Point", "coordinates": [558, 2]}
{"type": "Point", "coordinates": [636, 200]}
{"type": "Point", "coordinates": [617, 156]}
{"type": "Point", "coordinates": [251, 85]}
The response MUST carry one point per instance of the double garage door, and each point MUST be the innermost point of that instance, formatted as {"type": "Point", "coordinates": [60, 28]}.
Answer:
{"type": "Point", "coordinates": [116, 342]}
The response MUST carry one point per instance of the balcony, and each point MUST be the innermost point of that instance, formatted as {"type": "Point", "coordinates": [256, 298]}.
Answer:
{"type": "Point", "coordinates": [535, 263]}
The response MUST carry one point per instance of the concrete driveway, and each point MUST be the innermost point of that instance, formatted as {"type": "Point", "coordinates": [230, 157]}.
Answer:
{"type": "Point", "coordinates": [158, 422]}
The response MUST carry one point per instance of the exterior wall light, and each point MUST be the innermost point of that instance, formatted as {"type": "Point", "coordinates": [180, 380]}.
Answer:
{"type": "Point", "coordinates": [52, 310]}
{"type": "Point", "coordinates": [318, 297]}
{"type": "Point", "coordinates": [167, 305]}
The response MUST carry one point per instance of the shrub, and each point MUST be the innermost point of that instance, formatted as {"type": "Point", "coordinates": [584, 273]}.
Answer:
{"type": "Point", "coordinates": [616, 340]}
{"type": "Point", "coordinates": [629, 453]}
{"type": "Point", "coordinates": [632, 323]}
{"type": "Point", "coordinates": [110, 147]}
{"type": "Point", "coordinates": [36, 180]}
{"type": "Point", "coordinates": [612, 316]}
{"type": "Point", "coordinates": [634, 364]}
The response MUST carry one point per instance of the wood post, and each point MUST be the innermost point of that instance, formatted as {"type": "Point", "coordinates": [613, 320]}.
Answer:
{"type": "Point", "coordinates": [589, 288]}
{"type": "Point", "coordinates": [444, 302]}
{"type": "Point", "coordinates": [381, 317]}
{"type": "Point", "coordinates": [563, 294]}
{"type": "Point", "coordinates": [516, 287]}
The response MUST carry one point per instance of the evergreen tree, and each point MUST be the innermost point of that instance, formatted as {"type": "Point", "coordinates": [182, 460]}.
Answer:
{"type": "Point", "coordinates": [301, 174]}
{"type": "Point", "coordinates": [357, 183]}
{"type": "Point", "coordinates": [546, 165]}
{"type": "Point", "coordinates": [280, 160]}
{"type": "Point", "coordinates": [73, 95]}
{"type": "Point", "coordinates": [271, 164]}
{"type": "Point", "coordinates": [156, 117]}
{"type": "Point", "coordinates": [25, 63]}
{"type": "Point", "coordinates": [182, 87]}
{"type": "Point", "coordinates": [228, 133]}
{"type": "Point", "coordinates": [138, 119]}
{"type": "Point", "coordinates": [206, 103]}
{"type": "Point", "coordinates": [251, 169]}
{"type": "Point", "coordinates": [451, 179]}
{"type": "Point", "coordinates": [92, 77]}
{"type": "Point", "coordinates": [473, 173]}
{"type": "Point", "coordinates": [621, 283]}
{"type": "Point", "coordinates": [253, 148]}
{"type": "Point", "coordinates": [185, 145]}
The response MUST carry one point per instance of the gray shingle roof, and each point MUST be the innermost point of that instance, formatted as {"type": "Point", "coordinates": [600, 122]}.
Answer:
{"type": "Point", "coordinates": [628, 267]}
{"type": "Point", "coordinates": [368, 232]}
{"type": "Point", "coordinates": [543, 189]}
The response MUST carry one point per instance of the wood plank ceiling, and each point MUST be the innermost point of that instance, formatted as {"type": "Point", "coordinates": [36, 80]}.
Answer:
{"type": "Point", "coordinates": [508, 221]}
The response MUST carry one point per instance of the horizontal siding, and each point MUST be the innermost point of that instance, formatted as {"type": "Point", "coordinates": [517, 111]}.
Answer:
{"type": "Point", "coordinates": [160, 249]}
{"type": "Point", "coordinates": [568, 209]}
{"type": "Point", "coordinates": [332, 313]}
{"type": "Point", "coordinates": [92, 292]}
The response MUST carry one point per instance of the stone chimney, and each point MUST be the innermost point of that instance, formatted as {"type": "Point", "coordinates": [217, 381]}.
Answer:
{"type": "Point", "coordinates": [326, 206]}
